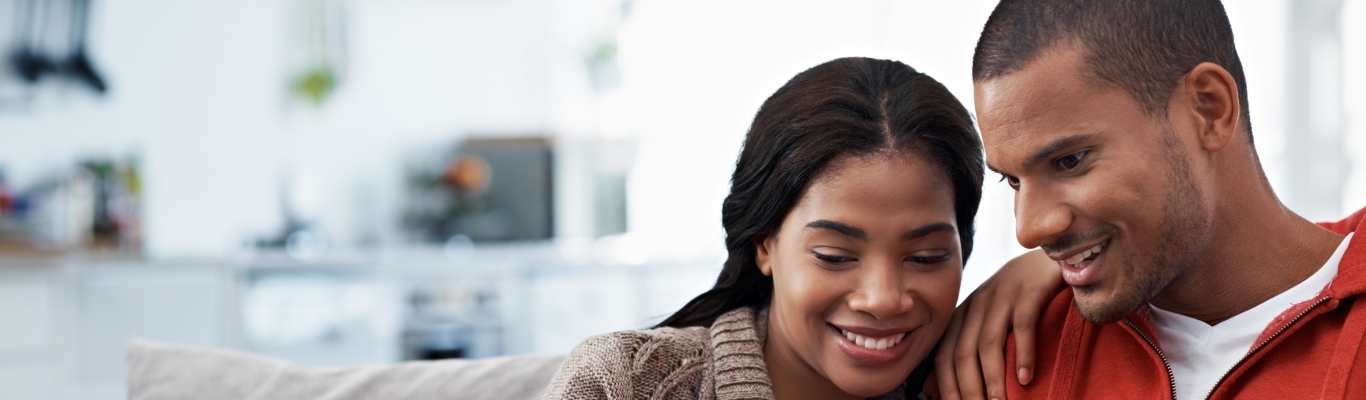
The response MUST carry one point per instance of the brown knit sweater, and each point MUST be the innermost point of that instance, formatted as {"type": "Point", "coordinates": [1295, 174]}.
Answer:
{"type": "Point", "coordinates": [723, 362]}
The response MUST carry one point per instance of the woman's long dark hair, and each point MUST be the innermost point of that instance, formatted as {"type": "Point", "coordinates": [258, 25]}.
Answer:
{"type": "Point", "coordinates": [845, 107]}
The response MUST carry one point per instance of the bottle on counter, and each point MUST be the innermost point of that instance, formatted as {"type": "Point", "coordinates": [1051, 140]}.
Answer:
{"type": "Point", "coordinates": [6, 197]}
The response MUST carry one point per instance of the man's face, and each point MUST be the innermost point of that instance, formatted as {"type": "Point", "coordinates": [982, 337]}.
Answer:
{"type": "Point", "coordinates": [1102, 187]}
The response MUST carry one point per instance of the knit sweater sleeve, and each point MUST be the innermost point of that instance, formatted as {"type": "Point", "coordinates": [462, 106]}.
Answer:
{"type": "Point", "coordinates": [628, 365]}
{"type": "Point", "coordinates": [597, 369]}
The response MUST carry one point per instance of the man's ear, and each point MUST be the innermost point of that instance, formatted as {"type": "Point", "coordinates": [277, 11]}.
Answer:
{"type": "Point", "coordinates": [763, 254]}
{"type": "Point", "coordinates": [1214, 104]}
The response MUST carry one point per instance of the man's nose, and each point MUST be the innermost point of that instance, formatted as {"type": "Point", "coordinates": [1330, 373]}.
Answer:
{"type": "Point", "coordinates": [1040, 218]}
{"type": "Point", "coordinates": [880, 293]}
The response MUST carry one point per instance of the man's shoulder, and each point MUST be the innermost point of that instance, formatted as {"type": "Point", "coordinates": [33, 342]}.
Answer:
{"type": "Point", "coordinates": [1075, 358]}
{"type": "Point", "coordinates": [1346, 225]}
{"type": "Point", "coordinates": [1049, 331]}
{"type": "Point", "coordinates": [1350, 280]}
{"type": "Point", "coordinates": [1063, 329]}
{"type": "Point", "coordinates": [1059, 311]}
{"type": "Point", "coordinates": [1061, 307]}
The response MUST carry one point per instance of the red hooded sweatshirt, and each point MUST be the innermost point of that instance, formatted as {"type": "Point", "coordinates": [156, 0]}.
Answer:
{"type": "Point", "coordinates": [1311, 351]}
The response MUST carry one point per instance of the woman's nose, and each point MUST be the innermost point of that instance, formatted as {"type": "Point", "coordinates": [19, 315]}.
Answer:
{"type": "Point", "coordinates": [881, 293]}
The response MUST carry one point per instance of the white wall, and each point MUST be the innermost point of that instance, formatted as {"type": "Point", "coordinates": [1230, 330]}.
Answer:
{"type": "Point", "coordinates": [199, 88]}
{"type": "Point", "coordinates": [1354, 91]}
{"type": "Point", "coordinates": [695, 72]}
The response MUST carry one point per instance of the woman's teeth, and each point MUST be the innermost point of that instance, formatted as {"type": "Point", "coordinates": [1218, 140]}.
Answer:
{"type": "Point", "coordinates": [872, 342]}
{"type": "Point", "coordinates": [1080, 257]}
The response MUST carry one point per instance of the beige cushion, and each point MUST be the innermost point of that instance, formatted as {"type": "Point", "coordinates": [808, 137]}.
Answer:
{"type": "Point", "coordinates": [159, 371]}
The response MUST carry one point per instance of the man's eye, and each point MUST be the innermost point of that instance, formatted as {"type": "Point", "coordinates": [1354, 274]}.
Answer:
{"type": "Point", "coordinates": [1070, 161]}
{"type": "Point", "coordinates": [1012, 181]}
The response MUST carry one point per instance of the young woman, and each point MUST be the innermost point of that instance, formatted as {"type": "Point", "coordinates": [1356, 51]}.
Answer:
{"type": "Point", "coordinates": [848, 221]}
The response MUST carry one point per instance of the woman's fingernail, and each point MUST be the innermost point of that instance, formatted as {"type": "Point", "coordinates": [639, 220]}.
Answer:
{"type": "Point", "coordinates": [1024, 376]}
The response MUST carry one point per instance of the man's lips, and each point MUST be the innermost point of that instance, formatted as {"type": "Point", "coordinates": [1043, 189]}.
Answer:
{"type": "Point", "coordinates": [1079, 267]}
{"type": "Point", "coordinates": [1077, 254]}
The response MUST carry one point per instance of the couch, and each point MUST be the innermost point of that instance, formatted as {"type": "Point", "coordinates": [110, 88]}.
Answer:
{"type": "Point", "coordinates": [158, 371]}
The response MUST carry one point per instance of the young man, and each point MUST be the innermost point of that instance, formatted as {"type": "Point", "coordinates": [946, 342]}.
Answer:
{"type": "Point", "coordinates": [1123, 127]}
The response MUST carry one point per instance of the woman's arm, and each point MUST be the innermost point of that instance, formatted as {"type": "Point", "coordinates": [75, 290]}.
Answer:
{"type": "Point", "coordinates": [597, 369]}
{"type": "Point", "coordinates": [621, 365]}
{"type": "Point", "coordinates": [972, 352]}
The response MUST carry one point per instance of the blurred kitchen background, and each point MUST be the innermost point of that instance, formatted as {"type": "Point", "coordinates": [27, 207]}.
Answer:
{"type": "Point", "coordinates": [344, 182]}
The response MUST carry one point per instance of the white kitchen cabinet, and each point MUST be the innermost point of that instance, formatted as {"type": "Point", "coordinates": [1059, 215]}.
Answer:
{"type": "Point", "coordinates": [64, 323]}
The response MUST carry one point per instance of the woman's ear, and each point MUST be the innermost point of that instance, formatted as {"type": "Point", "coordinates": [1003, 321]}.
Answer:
{"type": "Point", "coordinates": [763, 250]}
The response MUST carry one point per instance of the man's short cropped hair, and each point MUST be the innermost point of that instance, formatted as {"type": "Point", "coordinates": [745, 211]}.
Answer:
{"type": "Point", "coordinates": [1144, 47]}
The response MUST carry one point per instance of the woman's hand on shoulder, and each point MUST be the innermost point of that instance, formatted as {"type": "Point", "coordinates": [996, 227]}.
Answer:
{"type": "Point", "coordinates": [972, 353]}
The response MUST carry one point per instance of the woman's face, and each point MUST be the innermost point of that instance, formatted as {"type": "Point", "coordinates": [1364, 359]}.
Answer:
{"type": "Point", "coordinates": [865, 274]}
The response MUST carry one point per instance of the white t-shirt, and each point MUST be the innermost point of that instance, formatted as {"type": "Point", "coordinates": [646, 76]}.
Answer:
{"type": "Point", "coordinates": [1201, 354]}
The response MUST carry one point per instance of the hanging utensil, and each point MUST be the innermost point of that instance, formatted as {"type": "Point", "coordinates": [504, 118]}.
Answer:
{"type": "Point", "coordinates": [26, 58]}
{"type": "Point", "coordinates": [77, 65]}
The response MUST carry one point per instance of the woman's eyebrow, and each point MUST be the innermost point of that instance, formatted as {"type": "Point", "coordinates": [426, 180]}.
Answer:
{"type": "Point", "coordinates": [856, 233]}
{"type": "Point", "coordinates": [840, 228]}
{"type": "Point", "coordinates": [928, 229]}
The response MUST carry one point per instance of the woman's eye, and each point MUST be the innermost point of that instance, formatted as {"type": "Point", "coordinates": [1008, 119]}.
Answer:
{"type": "Point", "coordinates": [934, 259]}
{"type": "Point", "coordinates": [832, 258]}
{"type": "Point", "coordinates": [1070, 161]}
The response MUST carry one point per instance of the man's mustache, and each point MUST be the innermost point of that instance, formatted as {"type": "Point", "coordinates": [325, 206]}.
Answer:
{"type": "Point", "coordinates": [1071, 239]}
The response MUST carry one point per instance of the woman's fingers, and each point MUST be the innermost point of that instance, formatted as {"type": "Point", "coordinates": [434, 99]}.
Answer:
{"type": "Point", "coordinates": [965, 354]}
{"type": "Point", "coordinates": [991, 342]}
{"type": "Point", "coordinates": [1048, 282]}
{"type": "Point", "coordinates": [943, 360]}
{"type": "Point", "coordinates": [931, 385]}
{"type": "Point", "coordinates": [971, 363]}
{"type": "Point", "coordinates": [1025, 322]}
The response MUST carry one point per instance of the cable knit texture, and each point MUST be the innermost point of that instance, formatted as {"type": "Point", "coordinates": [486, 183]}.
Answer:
{"type": "Point", "coordinates": [723, 362]}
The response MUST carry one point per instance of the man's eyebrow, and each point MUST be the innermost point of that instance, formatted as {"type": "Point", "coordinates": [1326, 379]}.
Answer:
{"type": "Point", "coordinates": [1056, 146]}
{"type": "Point", "coordinates": [840, 228]}
{"type": "Point", "coordinates": [928, 229]}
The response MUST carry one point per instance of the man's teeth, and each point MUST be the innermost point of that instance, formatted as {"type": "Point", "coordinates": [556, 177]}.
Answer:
{"type": "Point", "coordinates": [1077, 259]}
{"type": "Point", "coordinates": [872, 342]}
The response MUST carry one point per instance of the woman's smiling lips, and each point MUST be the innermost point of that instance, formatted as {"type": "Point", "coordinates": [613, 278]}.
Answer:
{"type": "Point", "coordinates": [872, 347]}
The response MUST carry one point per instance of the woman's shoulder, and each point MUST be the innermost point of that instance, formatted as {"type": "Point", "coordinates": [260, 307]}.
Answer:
{"type": "Point", "coordinates": [629, 364]}
{"type": "Point", "coordinates": [663, 342]}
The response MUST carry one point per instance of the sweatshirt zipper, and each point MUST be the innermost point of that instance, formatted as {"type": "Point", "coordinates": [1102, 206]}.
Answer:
{"type": "Point", "coordinates": [1171, 380]}
{"type": "Point", "coordinates": [1263, 343]}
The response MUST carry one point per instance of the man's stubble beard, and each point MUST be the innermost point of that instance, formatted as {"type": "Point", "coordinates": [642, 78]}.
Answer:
{"type": "Point", "coordinates": [1182, 236]}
